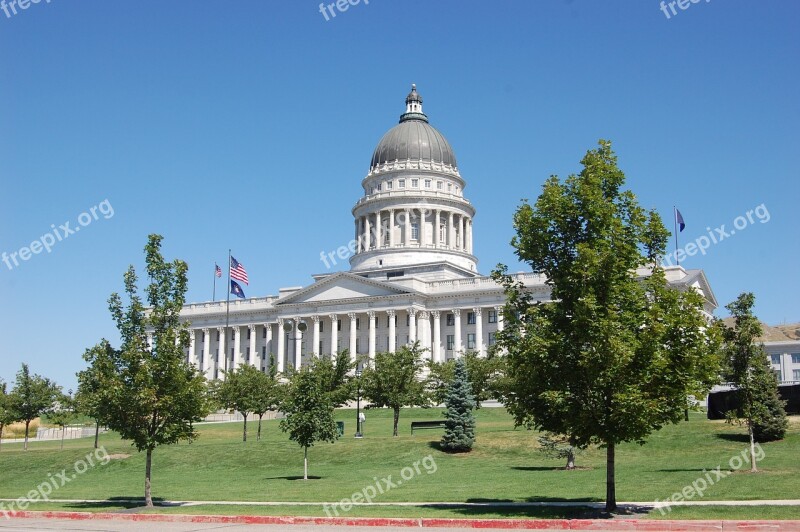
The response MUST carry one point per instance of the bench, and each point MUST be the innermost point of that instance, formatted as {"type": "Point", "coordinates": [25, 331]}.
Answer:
{"type": "Point", "coordinates": [422, 425]}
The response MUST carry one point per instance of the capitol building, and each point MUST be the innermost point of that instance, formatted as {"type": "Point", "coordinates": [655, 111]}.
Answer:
{"type": "Point", "coordinates": [413, 275]}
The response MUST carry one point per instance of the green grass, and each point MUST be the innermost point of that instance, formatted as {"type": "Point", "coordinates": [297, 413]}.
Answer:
{"type": "Point", "coordinates": [504, 466]}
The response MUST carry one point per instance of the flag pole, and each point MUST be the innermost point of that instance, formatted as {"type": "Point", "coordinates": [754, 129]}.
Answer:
{"type": "Point", "coordinates": [214, 293]}
{"type": "Point", "coordinates": [227, 310]}
{"type": "Point", "coordinates": [675, 222]}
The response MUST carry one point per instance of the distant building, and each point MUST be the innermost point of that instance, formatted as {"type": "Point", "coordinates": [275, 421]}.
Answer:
{"type": "Point", "coordinates": [784, 356]}
{"type": "Point", "coordinates": [413, 275]}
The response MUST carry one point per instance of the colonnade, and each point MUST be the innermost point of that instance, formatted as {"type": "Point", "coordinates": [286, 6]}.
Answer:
{"type": "Point", "coordinates": [436, 229]}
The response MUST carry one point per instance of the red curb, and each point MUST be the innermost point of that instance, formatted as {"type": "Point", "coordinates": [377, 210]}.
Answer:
{"type": "Point", "coordinates": [508, 524]}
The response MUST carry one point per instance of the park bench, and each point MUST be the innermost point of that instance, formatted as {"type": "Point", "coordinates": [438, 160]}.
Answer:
{"type": "Point", "coordinates": [422, 425]}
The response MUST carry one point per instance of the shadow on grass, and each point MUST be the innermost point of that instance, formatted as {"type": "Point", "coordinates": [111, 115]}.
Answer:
{"type": "Point", "coordinates": [114, 504]}
{"type": "Point", "coordinates": [540, 468]}
{"type": "Point", "coordinates": [293, 477]}
{"type": "Point", "coordinates": [540, 512]}
{"type": "Point", "coordinates": [732, 436]}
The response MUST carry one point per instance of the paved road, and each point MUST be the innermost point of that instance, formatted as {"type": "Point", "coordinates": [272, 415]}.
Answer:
{"type": "Point", "coordinates": [115, 526]}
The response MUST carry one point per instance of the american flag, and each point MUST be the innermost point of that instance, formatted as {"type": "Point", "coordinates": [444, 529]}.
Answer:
{"type": "Point", "coordinates": [238, 272]}
{"type": "Point", "coordinates": [217, 270]}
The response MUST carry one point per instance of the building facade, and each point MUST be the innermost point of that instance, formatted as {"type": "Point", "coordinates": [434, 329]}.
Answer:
{"type": "Point", "coordinates": [413, 275]}
{"type": "Point", "coordinates": [784, 356]}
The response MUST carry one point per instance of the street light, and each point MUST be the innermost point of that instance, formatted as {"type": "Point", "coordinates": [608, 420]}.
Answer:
{"type": "Point", "coordinates": [289, 327]}
{"type": "Point", "coordinates": [358, 403]}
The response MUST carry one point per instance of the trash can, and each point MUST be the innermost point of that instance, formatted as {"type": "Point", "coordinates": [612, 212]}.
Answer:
{"type": "Point", "coordinates": [340, 427]}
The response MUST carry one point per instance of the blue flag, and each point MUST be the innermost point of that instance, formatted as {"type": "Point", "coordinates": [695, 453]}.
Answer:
{"type": "Point", "coordinates": [237, 290]}
{"type": "Point", "coordinates": [679, 218]}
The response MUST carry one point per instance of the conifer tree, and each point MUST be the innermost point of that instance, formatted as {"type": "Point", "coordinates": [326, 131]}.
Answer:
{"type": "Point", "coordinates": [459, 428]}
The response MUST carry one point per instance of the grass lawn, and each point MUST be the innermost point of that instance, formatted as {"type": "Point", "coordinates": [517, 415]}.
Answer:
{"type": "Point", "coordinates": [504, 466]}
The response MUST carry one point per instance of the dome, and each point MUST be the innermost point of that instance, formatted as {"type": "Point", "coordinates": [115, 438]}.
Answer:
{"type": "Point", "coordinates": [413, 138]}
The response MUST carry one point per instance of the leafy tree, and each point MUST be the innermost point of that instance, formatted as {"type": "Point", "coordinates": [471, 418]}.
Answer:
{"type": "Point", "coordinates": [484, 374]}
{"type": "Point", "coordinates": [747, 368]}
{"type": "Point", "coordinates": [95, 385]}
{"type": "Point", "coordinates": [309, 413]}
{"type": "Point", "coordinates": [63, 413]}
{"type": "Point", "coordinates": [459, 425]}
{"type": "Point", "coordinates": [615, 353]}
{"type": "Point", "coordinates": [153, 396]}
{"type": "Point", "coordinates": [336, 377]}
{"type": "Point", "coordinates": [270, 393]}
{"type": "Point", "coordinates": [239, 392]}
{"type": "Point", "coordinates": [395, 381]}
{"type": "Point", "coordinates": [558, 446]}
{"type": "Point", "coordinates": [6, 415]}
{"type": "Point", "coordinates": [32, 396]}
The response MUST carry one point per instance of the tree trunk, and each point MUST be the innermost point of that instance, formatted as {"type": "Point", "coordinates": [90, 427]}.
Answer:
{"type": "Point", "coordinates": [258, 437]}
{"type": "Point", "coordinates": [571, 459]}
{"type": "Point", "coordinates": [753, 467]}
{"type": "Point", "coordinates": [396, 420]}
{"type": "Point", "coordinates": [27, 424]}
{"type": "Point", "coordinates": [244, 436]}
{"type": "Point", "coordinates": [305, 463]}
{"type": "Point", "coordinates": [148, 498]}
{"type": "Point", "coordinates": [96, 433]}
{"type": "Point", "coordinates": [2, 426]}
{"type": "Point", "coordinates": [611, 490]}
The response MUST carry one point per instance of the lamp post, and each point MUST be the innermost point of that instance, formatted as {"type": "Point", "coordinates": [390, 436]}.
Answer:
{"type": "Point", "coordinates": [358, 403]}
{"type": "Point", "coordinates": [288, 327]}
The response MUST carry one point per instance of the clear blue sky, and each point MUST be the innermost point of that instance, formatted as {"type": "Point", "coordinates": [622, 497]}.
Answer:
{"type": "Point", "coordinates": [250, 125]}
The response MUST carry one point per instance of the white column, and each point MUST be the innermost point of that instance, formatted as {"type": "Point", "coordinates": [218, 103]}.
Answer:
{"type": "Point", "coordinates": [358, 235]}
{"type": "Point", "coordinates": [500, 324]}
{"type": "Point", "coordinates": [192, 355]}
{"type": "Point", "coordinates": [334, 335]}
{"type": "Point", "coordinates": [437, 336]}
{"type": "Point", "coordinates": [281, 347]}
{"type": "Point", "coordinates": [315, 336]}
{"type": "Point", "coordinates": [463, 241]}
{"type": "Point", "coordinates": [412, 325]}
{"type": "Point", "coordinates": [269, 344]}
{"type": "Point", "coordinates": [392, 331]}
{"type": "Point", "coordinates": [371, 315]}
{"type": "Point", "coordinates": [424, 330]}
{"type": "Point", "coordinates": [391, 228]}
{"type": "Point", "coordinates": [422, 228]}
{"type": "Point", "coordinates": [437, 222]}
{"type": "Point", "coordinates": [378, 228]}
{"type": "Point", "coordinates": [367, 234]}
{"type": "Point", "coordinates": [253, 329]}
{"type": "Point", "coordinates": [353, 335]}
{"type": "Point", "coordinates": [150, 341]}
{"type": "Point", "coordinates": [298, 345]}
{"type": "Point", "coordinates": [457, 333]}
{"type": "Point", "coordinates": [222, 358]}
{"type": "Point", "coordinates": [469, 233]}
{"type": "Point", "coordinates": [450, 231]}
{"type": "Point", "coordinates": [205, 356]}
{"type": "Point", "coordinates": [479, 332]}
{"type": "Point", "coordinates": [407, 232]}
{"type": "Point", "coordinates": [237, 347]}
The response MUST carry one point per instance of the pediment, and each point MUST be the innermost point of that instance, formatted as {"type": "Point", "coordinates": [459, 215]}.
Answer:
{"type": "Point", "coordinates": [341, 287]}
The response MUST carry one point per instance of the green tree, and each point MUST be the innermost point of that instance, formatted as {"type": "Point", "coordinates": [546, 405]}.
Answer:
{"type": "Point", "coordinates": [484, 374]}
{"type": "Point", "coordinates": [459, 424]}
{"type": "Point", "coordinates": [747, 368]}
{"type": "Point", "coordinates": [335, 374]}
{"type": "Point", "coordinates": [153, 395]}
{"type": "Point", "coordinates": [558, 446]}
{"type": "Point", "coordinates": [395, 381]}
{"type": "Point", "coordinates": [270, 392]}
{"type": "Point", "coordinates": [6, 414]}
{"type": "Point", "coordinates": [616, 351]}
{"type": "Point", "coordinates": [32, 396]}
{"type": "Point", "coordinates": [309, 413]}
{"type": "Point", "coordinates": [63, 414]}
{"type": "Point", "coordinates": [239, 392]}
{"type": "Point", "coordinates": [95, 385]}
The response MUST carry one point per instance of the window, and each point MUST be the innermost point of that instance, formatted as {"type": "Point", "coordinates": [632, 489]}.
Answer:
{"type": "Point", "coordinates": [470, 318]}
{"type": "Point", "coordinates": [471, 341]}
{"type": "Point", "coordinates": [451, 320]}
{"type": "Point", "coordinates": [777, 374]}
{"type": "Point", "coordinates": [438, 185]}
{"type": "Point", "coordinates": [456, 189]}
{"type": "Point", "coordinates": [321, 326]}
{"type": "Point", "coordinates": [449, 187]}
{"type": "Point", "coordinates": [408, 320]}
{"type": "Point", "coordinates": [415, 231]}
{"type": "Point", "coordinates": [796, 375]}
{"type": "Point", "coordinates": [264, 353]}
{"type": "Point", "coordinates": [775, 359]}
{"type": "Point", "coordinates": [248, 333]}
{"type": "Point", "coordinates": [451, 341]}
{"type": "Point", "coordinates": [264, 332]}
{"type": "Point", "coordinates": [442, 237]}
{"type": "Point", "coordinates": [338, 325]}
{"type": "Point", "coordinates": [401, 183]}
{"type": "Point", "coordinates": [414, 183]}
{"type": "Point", "coordinates": [320, 347]}
{"type": "Point", "coordinates": [380, 186]}
{"type": "Point", "coordinates": [427, 183]}
{"type": "Point", "coordinates": [389, 185]}
{"type": "Point", "coordinates": [357, 348]}
{"type": "Point", "coordinates": [492, 339]}
{"type": "Point", "coordinates": [358, 323]}
{"type": "Point", "coordinates": [492, 316]}
{"type": "Point", "coordinates": [217, 335]}
{"type": "Point", "coordinates": [795, 358]}
{"type": "Point", "coordinates": [248, 353]}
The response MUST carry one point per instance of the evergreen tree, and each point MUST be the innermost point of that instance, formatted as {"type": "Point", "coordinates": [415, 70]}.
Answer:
{"type": "Point", "coordinates": [558, 446]}
{"type": "Point", "coordinates": [459, 427]}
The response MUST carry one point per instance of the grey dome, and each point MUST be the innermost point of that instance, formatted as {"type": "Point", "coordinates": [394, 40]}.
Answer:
{"type": "Point", "coordinates": [413, 138]}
